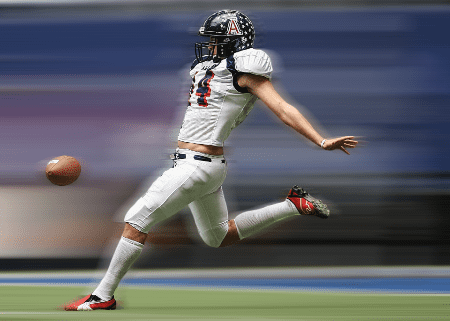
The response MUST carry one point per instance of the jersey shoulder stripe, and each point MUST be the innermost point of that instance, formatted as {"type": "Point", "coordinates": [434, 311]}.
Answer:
{"type": "Point", "coordinates": [231, 66]}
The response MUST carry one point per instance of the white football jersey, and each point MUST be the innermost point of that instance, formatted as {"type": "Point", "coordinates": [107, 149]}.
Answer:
{"type": "Point", "coordinates": [216, 103]}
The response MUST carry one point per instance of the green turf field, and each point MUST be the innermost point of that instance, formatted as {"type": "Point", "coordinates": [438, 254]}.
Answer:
{"type": "Point", "coordinates": [40, 303]}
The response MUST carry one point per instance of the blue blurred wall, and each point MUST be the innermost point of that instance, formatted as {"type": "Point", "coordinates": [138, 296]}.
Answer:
{"type": "Point", "coordinates": [379, 73]}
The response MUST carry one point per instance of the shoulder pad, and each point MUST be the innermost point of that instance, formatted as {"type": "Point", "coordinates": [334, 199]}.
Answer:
{"type": "Point", "coordinates": [253, 61]}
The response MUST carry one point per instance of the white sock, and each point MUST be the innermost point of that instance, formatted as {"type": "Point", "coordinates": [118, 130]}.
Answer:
{"type": "Point", "coordinates": [251, 222]}
{"type": "Point", "coordinates": [126, 253]}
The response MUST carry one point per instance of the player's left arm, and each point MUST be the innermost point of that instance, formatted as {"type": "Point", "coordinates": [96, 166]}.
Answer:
{"type": "Point", "coordinates": [264, 90]}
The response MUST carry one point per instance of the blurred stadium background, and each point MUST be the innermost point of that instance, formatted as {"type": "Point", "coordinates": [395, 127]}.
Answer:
{"type": "Point", "coordinates": [101, 81]}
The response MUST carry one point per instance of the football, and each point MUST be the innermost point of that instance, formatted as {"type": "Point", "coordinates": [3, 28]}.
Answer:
{"type": "Point", "coordinates": [63, 170]}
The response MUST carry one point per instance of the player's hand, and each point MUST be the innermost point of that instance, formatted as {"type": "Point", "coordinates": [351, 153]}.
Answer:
{"type": "Point", "coordinates": [341, 143]}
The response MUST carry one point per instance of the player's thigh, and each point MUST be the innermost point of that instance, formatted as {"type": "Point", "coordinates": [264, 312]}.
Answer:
{"type": "Point", "coordinates": [211, 217]}
{"type": "Point", "coordinates": [189, 180]}
{"type": "Point", "coordinates": [175, 189]}
{"type": "Point", "coordinates": [164, 198]}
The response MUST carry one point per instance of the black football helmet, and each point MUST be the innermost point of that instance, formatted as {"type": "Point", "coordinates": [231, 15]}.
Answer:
{"type": "Point", "coordinates": [232, 31]}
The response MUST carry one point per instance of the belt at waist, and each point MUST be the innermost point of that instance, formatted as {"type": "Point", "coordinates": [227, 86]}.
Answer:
{"type": "Point", "coordinates": [196, 157]}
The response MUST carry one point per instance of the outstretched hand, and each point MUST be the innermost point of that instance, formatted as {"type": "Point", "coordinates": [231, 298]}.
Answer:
{"type": "Point", "coordinates": [340, 143]}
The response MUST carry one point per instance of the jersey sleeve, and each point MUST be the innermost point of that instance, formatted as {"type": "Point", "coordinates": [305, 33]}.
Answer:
{"type": "Point", "coordinates": [254, 61]}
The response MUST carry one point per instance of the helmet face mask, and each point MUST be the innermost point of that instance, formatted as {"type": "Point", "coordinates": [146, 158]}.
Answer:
{"type": "Point", "coordinates": [232, 32]}
{"type": "Point", "coordinates": [213, 50]}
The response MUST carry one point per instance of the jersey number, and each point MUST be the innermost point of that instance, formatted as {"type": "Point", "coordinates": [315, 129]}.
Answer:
{"type": "Point", "coordinates": [204, 90]}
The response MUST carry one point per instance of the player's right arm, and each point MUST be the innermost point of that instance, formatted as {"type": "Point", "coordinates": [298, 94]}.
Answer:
{"type": "Point", "coordinates": [264, 90]}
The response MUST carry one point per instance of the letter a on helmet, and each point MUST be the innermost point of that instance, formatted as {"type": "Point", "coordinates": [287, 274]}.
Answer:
{"type": "Point", "coordinates": [233, 28]}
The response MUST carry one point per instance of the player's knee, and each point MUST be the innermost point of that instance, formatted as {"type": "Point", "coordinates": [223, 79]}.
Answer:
{"type": "Point", "coordinates": [212, 240]}
{"type": "Point", "coordinates": [215, 236]}
{"type": "Point", "coordinates": [137, 210]}
{"type": "Point", "coordinates": [212, 243]}
{"type": "Point", "coordinates": [142, 218]}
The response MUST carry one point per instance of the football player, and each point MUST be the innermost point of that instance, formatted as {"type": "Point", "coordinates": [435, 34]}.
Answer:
{"type": "Point", "coordinates": [228, 76]}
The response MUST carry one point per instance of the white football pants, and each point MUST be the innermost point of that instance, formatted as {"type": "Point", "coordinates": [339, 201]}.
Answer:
{"type": "Point", "coordinates": [193, 183]}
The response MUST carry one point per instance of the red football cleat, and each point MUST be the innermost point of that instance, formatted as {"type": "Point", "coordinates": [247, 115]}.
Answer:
{"type": "Point", "coordinates": [91, 302]}
{"type": "Point", "coordinates": [306, 204]}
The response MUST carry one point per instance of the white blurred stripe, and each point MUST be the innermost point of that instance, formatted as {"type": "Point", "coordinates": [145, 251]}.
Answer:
{"type": "Point", "coordinates": [319, 272]}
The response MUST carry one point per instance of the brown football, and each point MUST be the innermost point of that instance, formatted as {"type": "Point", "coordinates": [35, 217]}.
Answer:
{"type": "Point", "coordinates": [63, 170]}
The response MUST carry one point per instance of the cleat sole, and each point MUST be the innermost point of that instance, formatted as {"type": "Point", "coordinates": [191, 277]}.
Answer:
{"type": "Point", "coordinates": [321, 208]}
